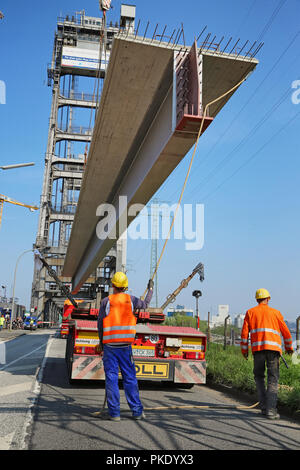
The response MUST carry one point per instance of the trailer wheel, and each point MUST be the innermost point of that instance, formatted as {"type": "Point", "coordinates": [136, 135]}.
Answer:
{"type": "Point", "coordinates": [185, 386]}
{"type": "Point", "coordinates": [69, 356]}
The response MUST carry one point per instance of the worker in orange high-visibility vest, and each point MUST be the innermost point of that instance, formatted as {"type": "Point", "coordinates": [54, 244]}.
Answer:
{"type": "Point", "coordinates": [117, 329]}
{"type": "Point", "coordinates": [265, 326]}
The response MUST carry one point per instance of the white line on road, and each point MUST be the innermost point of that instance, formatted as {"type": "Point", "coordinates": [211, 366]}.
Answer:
{"type": "Point", "coordinates": [36, 391]}
{"type": "Point", "coordinates": [22, 357]}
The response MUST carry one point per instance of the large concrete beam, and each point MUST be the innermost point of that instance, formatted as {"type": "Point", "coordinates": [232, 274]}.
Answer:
{"type": "Point", "coordinates": [149, 116]}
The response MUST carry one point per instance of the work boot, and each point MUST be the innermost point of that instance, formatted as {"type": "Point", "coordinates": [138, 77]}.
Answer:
{"type": "Point", "coordinates": [106, 416]}
{"type": "Point", "coordinates": [138, 417]}
{"type": "Point", "coordinates": [272, 414]}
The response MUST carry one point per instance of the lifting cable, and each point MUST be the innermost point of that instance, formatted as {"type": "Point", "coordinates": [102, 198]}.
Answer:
{"type": "Point", "coordinates": [189, 170]}
{"type": "Point", "coordinates": [99, 413]}
{"type": "Point", "coordinates": [102, 45]}
{"type": "Point", "coordinates": [203, 407]}
{"type": "Point", "coordinates": [186, 407]}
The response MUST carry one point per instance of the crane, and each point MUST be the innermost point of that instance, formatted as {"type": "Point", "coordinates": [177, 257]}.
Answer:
{"type": "Point", "coordinates": [4, 199]}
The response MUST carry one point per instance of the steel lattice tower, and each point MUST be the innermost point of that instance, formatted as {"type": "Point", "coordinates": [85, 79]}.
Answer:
{"type": "Point", "coordinates": [76, 62]}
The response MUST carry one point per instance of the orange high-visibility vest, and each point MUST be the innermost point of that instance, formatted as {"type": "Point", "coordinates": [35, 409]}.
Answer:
{"type": "Point", "coordinates": [119, 326]}
{"type": "Point", "coordinates": [265, 325]}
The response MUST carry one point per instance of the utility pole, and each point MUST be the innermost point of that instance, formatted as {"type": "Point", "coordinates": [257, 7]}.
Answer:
{"type": "Point", "coordinates": [225, 331]}
{"type": "Point", "coordinates": [197, 294]}
{"type": "Point", "coordinates": [14, 288]}
{"type": "Point", "coordinates": [154, 244]}
{"type": "Point", "coordinates": [16, 165]}
{"type": "Point", "coordinates": [155, 218]}
{"type": "Point", "coordinates": [208, 329]}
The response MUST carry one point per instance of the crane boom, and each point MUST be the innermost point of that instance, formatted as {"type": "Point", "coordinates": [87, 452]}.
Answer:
{"type": "Point", "coordinates": [199, 269]}
{"type": "Point", "coordinates": [16, 203]}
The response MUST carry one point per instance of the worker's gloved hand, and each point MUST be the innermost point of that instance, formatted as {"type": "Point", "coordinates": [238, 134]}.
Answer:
{"type": "Point", "coordinates": [245, 356]}
{"type": "Point", "coordinates": [99, 349]}
{"type": "Point", "coordinates": [150, 284]}
{"type": "Point", "coordinates": [289, 351]}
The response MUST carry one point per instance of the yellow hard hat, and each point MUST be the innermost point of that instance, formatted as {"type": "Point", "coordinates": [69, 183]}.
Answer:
{"type": "Point", "coordinates": [262, 294]}
{"type": "Point", "coordinates": [120, 280]}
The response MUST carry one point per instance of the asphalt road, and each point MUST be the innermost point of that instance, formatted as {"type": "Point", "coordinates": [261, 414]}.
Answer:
{"type": "Point", "coordinates": [40, 410]}
{"type": "Point", "coordinates": [20, 361]}
{"type": "Point", "coordinates": [63, 418]}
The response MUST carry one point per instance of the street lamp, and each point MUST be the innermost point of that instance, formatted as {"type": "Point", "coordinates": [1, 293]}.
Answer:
{"type": "Point", "coordinates": [197, 294]}
{"type": "Point", "coordinates": [14, 287]}
{"type": "Point", "coordinates": [16, 165]}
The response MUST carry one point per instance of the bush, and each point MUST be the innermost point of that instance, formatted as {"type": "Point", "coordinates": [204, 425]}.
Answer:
{"type": "Point", "coordinates": [181, 320]}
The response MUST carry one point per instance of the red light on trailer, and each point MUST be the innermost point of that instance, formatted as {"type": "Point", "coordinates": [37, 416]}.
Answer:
{"type": "Point", "coordinates": [90, 350]}
{"type": "Point", "coordinates": [86, 350]}
{"type": "Point", "coordinates": [194, 355]}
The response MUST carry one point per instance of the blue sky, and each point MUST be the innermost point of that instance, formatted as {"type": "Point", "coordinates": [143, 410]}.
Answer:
{"type": "Point", "coordinates": [247, 176]}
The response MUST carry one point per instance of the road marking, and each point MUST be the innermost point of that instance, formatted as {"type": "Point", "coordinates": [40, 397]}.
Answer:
{"type": "Point", "coordinates": [36, 391]}
{"type": "Point", "coordinates": [11, 389]}
{"type": "Point", "coordinates": [6, 441]}
{"type": "Point", "coordinates": [24, 367]}
{"type": "Point", "coordinates": [22, 357]}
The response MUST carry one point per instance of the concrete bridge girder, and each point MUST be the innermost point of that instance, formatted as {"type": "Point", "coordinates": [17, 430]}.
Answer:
{"type": "Point", "coordinates": [142, 132]}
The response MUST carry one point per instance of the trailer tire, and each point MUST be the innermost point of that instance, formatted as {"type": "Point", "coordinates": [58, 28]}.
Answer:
{"type": "Point", "coordinates": [185, 386]}
{"type": "Point", "coordinates": [69, 356]}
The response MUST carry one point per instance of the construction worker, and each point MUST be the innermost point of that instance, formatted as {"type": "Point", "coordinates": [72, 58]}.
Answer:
{"type": "Point", "coordinates": [2, 322]}
{"type": "Point", "coordinates": [265, 325]}
{"type": "Point", "coordinates": [31, 323]}
{"type": "Point", "coordinates": [116, 327]}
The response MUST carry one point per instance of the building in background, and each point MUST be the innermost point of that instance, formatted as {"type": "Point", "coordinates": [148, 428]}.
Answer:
{"type": "Point", "coordinates": [219, 319]}
{"type": "Point", "coordinates": [6, 306]}
{"type": "Point", "coordinates": [239, 320]}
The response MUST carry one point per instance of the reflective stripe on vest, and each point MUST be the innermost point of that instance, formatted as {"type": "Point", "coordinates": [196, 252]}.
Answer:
{"type": "Point", "coordinates": [119, 326]}
{"type": "Point", "coordinates": [265, 330]}
{"type": "Point", "coordinates": [265, 337]}
{"type": "Point", "coordinates": [261, 343]}
{"type": "Point", "coordinates": [244, 344]}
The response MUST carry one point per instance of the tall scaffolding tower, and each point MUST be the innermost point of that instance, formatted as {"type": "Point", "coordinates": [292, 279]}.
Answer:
{"type": "Point", "coordinates": [76, 75]}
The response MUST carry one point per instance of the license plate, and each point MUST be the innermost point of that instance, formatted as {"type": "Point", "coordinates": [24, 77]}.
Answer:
{"type": "Point", "coordinates": [143, 352]}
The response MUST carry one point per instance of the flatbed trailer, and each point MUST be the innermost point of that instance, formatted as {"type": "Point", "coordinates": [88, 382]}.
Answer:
{"type": "Point", "coordinates": [160, 352]}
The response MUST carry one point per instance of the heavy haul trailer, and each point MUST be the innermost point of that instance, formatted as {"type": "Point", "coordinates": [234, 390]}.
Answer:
{"type": "Point", "coordinates": [163, 353]}
{"type": "Point", "coordinates": [160, 352]}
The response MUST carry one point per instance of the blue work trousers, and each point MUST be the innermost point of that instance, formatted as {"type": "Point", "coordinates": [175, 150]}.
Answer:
{"type": "Point", "coordinates": [113, 359]}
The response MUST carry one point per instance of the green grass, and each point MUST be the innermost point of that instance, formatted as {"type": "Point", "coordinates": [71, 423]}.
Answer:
{"type": "Point", "coordinates": [228, 367]}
